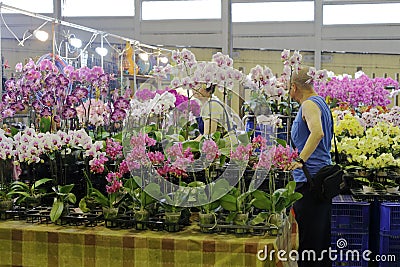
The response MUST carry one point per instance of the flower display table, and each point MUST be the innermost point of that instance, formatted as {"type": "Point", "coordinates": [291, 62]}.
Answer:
{"type": "Point", "coordinates": [26, 244]}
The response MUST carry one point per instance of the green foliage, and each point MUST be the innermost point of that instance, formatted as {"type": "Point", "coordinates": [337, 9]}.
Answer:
{"type": "Point", "coordinates": [211, 196]}
{"type": "Point", "coordinates": [45, 124]}
{"type": "Point", "coordinates": [26, 194]}
{"type": "Point", "coordinates": [279, 201]}
{"type": "Point", "coordinates": [142, 197]}
{"type": "Point", "coordinates": [281, 142]}
{"type": "Point", "coordinates": [63, 196]}
{"type": "Point", "coordinates": [245, 138]}
{"type": "Point", "coordinates": [236, 202]}
{"type": "Point", "coordinates": [193, 145]}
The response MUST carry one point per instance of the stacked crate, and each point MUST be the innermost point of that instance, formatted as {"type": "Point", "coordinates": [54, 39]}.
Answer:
{"type": "Point", "coordinates": [389, 234]}
{"type": "Point", "coordinates": [349, 229]}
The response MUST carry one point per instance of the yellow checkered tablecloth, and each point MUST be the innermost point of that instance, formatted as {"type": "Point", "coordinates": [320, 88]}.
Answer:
{"type": "Point", "coordinates": [26, 244]}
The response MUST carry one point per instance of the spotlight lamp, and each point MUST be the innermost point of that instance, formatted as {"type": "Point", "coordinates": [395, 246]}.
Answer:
{"type": "Point", "coordinates": [40, 35]}
{"type": "Point", "coordinates": [102, 51]}
{"type": "Point", "coordinates": [75, 42]}
{"type": "Point", "coordinates": [164, 59]}
{"type": "Point", "coordinates": [144, 56]}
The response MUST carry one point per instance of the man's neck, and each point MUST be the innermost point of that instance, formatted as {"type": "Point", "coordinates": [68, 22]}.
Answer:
{"type": "Point", "coordinates": [307, 95]}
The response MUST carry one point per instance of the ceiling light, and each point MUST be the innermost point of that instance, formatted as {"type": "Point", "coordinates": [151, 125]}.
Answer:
{"type": "Point", "coordinates": [41, 35]}
{"type": "Point", "coordinates": [144, 56]}
{"type": "Point", "coordinates": [102, 51]}
{"type": "Point", "coordinates": [75, 42]}
{"type": "Point", "coordinates": [164, 60]}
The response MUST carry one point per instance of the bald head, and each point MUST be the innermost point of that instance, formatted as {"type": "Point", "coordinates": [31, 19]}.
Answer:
{"type": "Point", "coordinates": [301, 78]}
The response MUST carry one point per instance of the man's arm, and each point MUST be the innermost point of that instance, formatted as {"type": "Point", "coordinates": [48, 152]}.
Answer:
{"type": "Point", "coordinates": [312, 117]}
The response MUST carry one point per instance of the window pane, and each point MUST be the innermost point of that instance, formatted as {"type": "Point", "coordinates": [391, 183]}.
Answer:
{"type": "Point", "coordinates": [273, 11]}
{"type": "Point", "coordinates": [193, 9]}
{"type": "Point", "coordinates": [91, 8]}
{"type": "Point", "coordinates": [361, 14]}
{"type": "Point", "coordinates": [37, 6]}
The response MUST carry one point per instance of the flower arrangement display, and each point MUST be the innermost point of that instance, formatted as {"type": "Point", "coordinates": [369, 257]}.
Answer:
{"type": "Point", "coordinates": [268, 90]}
{"type": "Point", "coordinates": [156, 165]}
{"type": "Point", "coordinates": [358, 92]}
{"type": "Point", "coordinates": [372, 116]}
{"type": "Point", "coordinates": [347, 125]}
{"type": "Point", "coordinates": [64, 99]}
{"type": "Point", "coordinates": [189, 72]}
{"type": "Point", "coordinates": [377, 149]}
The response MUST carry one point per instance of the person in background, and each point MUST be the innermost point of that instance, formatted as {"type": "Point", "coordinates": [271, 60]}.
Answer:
{"type": "Point", "coordinates": [312, 134]}
{"type": "Point", "coordinates": [213, 114]}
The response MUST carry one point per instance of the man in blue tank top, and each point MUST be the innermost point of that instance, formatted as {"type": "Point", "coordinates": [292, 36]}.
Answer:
{"type": "Point", "coordinates": [312, 134]}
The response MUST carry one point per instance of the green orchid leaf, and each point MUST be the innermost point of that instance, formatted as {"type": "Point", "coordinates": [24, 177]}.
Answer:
{"type": "Point", "coordinates": [231, 216]}
{"type": "Point", "coordinates": [56, 210]}
{"type": "Point", "coordinates": [71, 198]}
{"type": "Point", "coordinates": [118, 137]}
{"type": "Point", "coordinates": [83, 206]}
{"type": "Point", "coordinates": [244, 139]}
{"type": "Point", "coordinates": [281, 142]}
{"type": "Point", "coordinates": [260, 218]}
{"type": "Point", "coordinates": [100, 198]}
{"type": "Point", "coordinates": [131, 183]}
{"type": "Point", "coordinates": [196, 184]}
{"type": "Point", "coordinates": [220, 188]}
{"type": "Point", "coordinates": [228, 202]}
{"type": "Point", "coordinates": [65, 189]}
{"type": "Point", "coordinates": [216, 137]}
{"type": "Point", "coordinates": [41, 181]}
{"type": "Point", "coordinates": [263, 204]}
{"type": "Point", "coordinates": [258, 194]}
{"type": "Point", "coordinates": [226, 151]}
{"type": "Point", "coordinates": [193, 145]}
{"type": "Point", "coordinates": [20, 193]}
{"type": "Point", "coordinates": [158, 136]}
{"type": "Point", "coordinates": [291, 186]}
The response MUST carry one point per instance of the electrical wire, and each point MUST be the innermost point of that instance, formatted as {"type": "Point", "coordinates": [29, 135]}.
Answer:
{"type": "Point", "coordinates": [8, 28]}
{"type": "Point", "coordinates": [94, 35]}
{"type": "Point", "coordinates": [24, 38]}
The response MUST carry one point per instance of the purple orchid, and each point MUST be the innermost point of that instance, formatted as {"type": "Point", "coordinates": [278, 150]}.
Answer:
{"type": "Point", "coordinates": [80, 93]}
{"type": "Point", "coordinates": [8, 113]}
{"type": "Point", "coordinates": [121, 103]}
{"type": "Point", "coordinates": [71, 100]}
{"type": "Point", "coordinates": [362, 91]}
{"type": "Point", "coordinates": [36, 105]}
{"type": "Point", "coordinates": [48, 100]}
{"type": "Point", "coordinates": [46, 65]}
{"type": "Point", "coordinates": [56, 119]}
{"type": "Point", "coordinates": [52, 81]}
{"type": "Point", "coordinates": [69, 113]}
{"type": "Point", "coordinates": [45, 112]}
{"type": "Point", "coordinates": [33, 75]}
{"type": "Point", "coordinates": [118, 115]}
{"type": "Point", "coordinates": [97, 71]}
{"type": "Point", "coordinates": [144, 95]}
{"type": "Point", "coordinates": [17, 106]}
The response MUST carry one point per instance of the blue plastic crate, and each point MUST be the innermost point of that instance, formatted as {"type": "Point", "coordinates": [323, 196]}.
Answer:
{"type": "Point", "coordinates": [390, 216]}
{"type": "Point", "coordinates": [349, 214]}
{"type": "Point", "coordinates": [343, 198]}
{"type": "Point", "coordinates": [354, 241]}
{"type": "Point", "coordinates": [389, 244]}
